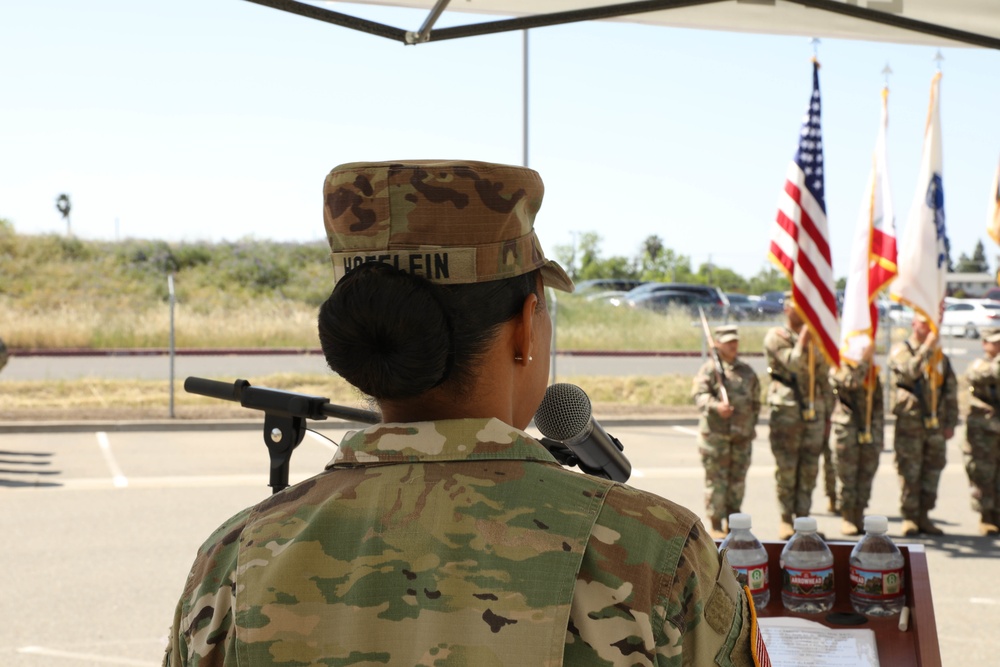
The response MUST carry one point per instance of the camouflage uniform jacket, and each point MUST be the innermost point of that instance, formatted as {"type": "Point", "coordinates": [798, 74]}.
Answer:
{"type": "Point", "coordinates": [908, 362]}
{"type": "Point", "coordinates": [984, 388]}
{"type": "Point", "coordinates": [848, 383]}
{"type": "Point", "coordinates": [459, 542]}
{"type": "Point", "coordinates": [787, 364]}
{"type": "Point", "coordinates": [743, 389]}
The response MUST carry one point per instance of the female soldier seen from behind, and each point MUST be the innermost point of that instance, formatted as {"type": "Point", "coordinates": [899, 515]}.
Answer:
{"type": "Point", "coordinates": [446, 535]}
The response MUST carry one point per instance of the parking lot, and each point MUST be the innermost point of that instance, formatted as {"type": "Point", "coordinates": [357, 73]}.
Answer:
{"type": "Point", "coordinates": [103, 527]}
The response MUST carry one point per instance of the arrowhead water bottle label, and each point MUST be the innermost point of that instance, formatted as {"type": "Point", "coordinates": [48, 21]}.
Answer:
{"type": "Point", "coordinates": [880, 584]}
{"type": "Point", "coordinates": [807, 583]}
{"type": "Point", "coordinates": [754, 576]}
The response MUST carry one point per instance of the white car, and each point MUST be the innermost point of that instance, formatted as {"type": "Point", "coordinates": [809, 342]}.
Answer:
{"type": "Point", "coordinates": [963, 318]}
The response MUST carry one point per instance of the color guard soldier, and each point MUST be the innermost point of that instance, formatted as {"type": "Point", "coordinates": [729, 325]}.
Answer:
{"type": "Point", "coordinates": [726, 428]}
{"type": "Point", "coordinates": [982, 434]}
{"type": "Point", "coordinates": [926, 410]}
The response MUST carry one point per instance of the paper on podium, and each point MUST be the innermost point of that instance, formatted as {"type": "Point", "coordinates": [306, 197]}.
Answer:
{"type": "Point", "coordinates": [792, 642]}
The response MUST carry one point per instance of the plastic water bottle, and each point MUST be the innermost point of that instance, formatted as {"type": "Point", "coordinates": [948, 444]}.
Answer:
{"type": "Point", "coordinates": [748, 558]}
{"type": "Point", "coordinates": [877, 587]}
{"type": "Point", "coordinates": [807, 570]}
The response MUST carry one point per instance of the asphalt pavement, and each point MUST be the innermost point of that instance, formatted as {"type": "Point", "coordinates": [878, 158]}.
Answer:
{"type": "Point", "coordinates": [102, 528]}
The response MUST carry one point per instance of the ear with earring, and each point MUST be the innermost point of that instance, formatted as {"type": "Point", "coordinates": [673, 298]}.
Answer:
{"type": "Point", "coordinates": [518, 357]}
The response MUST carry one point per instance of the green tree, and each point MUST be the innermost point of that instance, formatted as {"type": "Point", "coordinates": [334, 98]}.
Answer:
{"type": "Point", "coordinates": [725, 279]}
{"type": "Point", "coordinates": [769, 279]}
{"type": "Point", "coordinates": [976, 264]}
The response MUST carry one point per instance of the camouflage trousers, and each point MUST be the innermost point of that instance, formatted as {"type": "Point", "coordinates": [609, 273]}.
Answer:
{"type": "Point", "coordinates": [857, 464]}
{"type": "Point", "coordinates": [982, 462]}
{"type": "Point", "coordinates": [920, 458]}
{"type": "Point", "coordinates": [797, 446]}
{"type": "Point", "coordinates": [726, 460]}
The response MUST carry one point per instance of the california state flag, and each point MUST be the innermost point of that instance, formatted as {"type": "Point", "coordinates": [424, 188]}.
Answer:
{"type": "Point", "coordinates": [872, 264]}
{"type": "Point", "coordinates": [923, 251]}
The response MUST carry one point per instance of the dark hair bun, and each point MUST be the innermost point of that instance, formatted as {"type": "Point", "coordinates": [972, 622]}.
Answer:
{"type": "Point", "coordinates": [386, 332]}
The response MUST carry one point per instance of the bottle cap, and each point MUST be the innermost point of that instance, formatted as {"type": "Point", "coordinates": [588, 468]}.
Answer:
{"type": "Point", "coordinates": [739, 521]}
{"type": "Point", "coordinates": [875, 523]}
{"type": "Point", "coordinates": [805, 524]}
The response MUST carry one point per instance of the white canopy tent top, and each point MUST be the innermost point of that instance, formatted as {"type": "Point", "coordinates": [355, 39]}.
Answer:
{"type": "Point", "coordinates": [932, 22]}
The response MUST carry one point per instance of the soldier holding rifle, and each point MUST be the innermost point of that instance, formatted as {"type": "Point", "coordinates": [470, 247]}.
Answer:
{"type": "Point", "coordinates": [727, 393]}
{"type": "Point", "coordinates": [858, 430]}
{"type": "Point", "coordinates": [982, 434]}
{"type": "Point", "coordinates": [797, 427]}
{"type": "Point", "coordinates": [926, 410]}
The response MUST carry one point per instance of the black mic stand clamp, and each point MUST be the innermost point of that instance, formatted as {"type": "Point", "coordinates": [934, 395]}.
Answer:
{"type": "Point", "coordinates": [285, 415]}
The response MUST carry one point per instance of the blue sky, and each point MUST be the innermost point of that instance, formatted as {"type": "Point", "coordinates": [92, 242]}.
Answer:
{"type": "Point", "coordinates": [218, 119]}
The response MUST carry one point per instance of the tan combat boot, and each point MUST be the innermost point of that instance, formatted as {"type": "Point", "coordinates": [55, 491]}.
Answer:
{"type": "Point", "coordinates": [716, 530]}
{"type": "Point", "coordinates": [987, 524]}
{"type": "Point", "coordinates": [910, 528]}
{"type": "Point", "coordinates": [849, 526]}
{"type": "Point", "coordinates": [785, 528]}
{"type": "Point", "coordinates": [927, 526]}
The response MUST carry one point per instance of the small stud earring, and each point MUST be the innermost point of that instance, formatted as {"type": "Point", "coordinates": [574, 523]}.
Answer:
{"type": "Point", "coordinates": [518, 357]}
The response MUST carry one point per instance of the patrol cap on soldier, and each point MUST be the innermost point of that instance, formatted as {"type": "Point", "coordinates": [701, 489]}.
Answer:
{"type": "Point", "coordinates": [450, 221]}
{"type": "Point", "coordinates": [991, 335]}
{"type": "Point", "coordinates": [724, 334]}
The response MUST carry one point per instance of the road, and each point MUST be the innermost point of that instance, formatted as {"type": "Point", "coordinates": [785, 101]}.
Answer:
{"type": "Point", "coordinates": [566, 365]}
{"type": "Point", "coordinates": [102, 528]}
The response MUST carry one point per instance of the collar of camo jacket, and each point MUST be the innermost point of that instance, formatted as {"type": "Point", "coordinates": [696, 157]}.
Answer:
{"type": "Point", "coordinates": [442, 440]}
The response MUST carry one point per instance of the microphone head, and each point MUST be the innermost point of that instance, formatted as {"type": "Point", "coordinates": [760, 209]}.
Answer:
{"type": "Point", "coordinates": [564, 412]}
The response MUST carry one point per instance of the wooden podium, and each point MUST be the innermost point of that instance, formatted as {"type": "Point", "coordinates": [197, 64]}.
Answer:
{"type": "Point", "coordinates": [917, 646]}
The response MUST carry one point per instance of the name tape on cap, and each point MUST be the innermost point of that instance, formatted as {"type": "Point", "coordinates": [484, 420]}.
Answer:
{"type": "Point", "coordinates": [439, 265]}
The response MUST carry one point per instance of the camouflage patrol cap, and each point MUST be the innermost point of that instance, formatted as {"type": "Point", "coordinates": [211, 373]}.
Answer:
{"type": "Point", "coordinates": [450, 221]}
{"type": "Point", "coordinates": [991, 335]}
{"type": "Point", "coordinates": [726, 333]}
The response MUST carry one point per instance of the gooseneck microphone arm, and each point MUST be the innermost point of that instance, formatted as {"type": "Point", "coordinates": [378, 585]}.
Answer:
{"type": "Point", "coordinates": [285, 415]}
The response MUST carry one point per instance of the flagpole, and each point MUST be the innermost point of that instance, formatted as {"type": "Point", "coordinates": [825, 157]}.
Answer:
{"type": "Point", "coordinates": [870, 378]}
{"type": "Point", "coordinates": [811, 413]}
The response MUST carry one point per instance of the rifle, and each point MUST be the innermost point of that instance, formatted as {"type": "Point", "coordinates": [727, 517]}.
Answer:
{"type": "Point", "coordinates": [720, 371]}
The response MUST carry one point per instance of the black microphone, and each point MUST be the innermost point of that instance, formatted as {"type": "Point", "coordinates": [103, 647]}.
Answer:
{"type": "Point", "coordinates": [565, 418]}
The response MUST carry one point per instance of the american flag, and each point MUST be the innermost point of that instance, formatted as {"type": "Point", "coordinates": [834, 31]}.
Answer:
{"type": "Point", "coordinates": [799, 244]}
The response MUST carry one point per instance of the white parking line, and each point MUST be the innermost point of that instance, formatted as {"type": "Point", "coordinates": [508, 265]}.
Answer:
{"type": "Point", "coordinates": [117, 476]}
{"type": "Point", "coordinates": [89, 657]}
{"type": "Point", "coordinates": [984, 601]}
{"type": "Point", "coordinates": [685, 430]}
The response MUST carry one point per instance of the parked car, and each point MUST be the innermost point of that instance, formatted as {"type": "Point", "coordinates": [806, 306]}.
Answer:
{"type": "Point", "coordinates": [993, 294]}
{"type": "Point", "coordinates": [605, 295]}
{"type": "Point", "coordinates": [899, 315]}
{"type": "Point", "coordinates": [963, 318]}
{"type": "Point", "coordinates": [663, 301]}
{"type": "Point", "coordinates": [771, 304]}
{"type": "Point", "coordinates": [710, 296]}
{"type": "Point", "coordinates": [741, 307]}
{"type": "Point", "coordinates": [607, 284]}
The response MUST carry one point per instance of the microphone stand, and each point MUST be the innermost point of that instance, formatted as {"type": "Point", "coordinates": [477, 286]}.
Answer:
{"type": "Point", "coordinates": [285, 415]}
